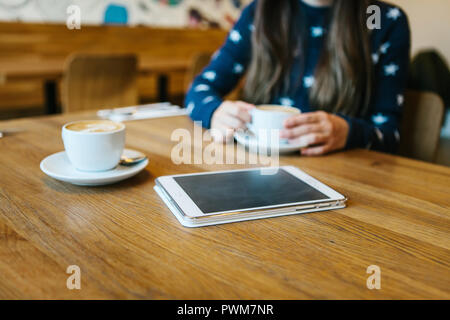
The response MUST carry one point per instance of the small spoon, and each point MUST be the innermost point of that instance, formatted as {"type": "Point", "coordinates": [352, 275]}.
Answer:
{"type": "Point", "coordinates": [129, 161]}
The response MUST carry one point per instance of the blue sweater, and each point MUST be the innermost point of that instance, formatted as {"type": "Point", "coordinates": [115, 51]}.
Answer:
{"type": "Point", "coordinates": [390, 47]}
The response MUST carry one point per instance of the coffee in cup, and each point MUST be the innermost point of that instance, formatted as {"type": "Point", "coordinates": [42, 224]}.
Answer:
{"type": "Point", "coordinates": [277, 108]}
{"type": "Point", "coordinates": [94, 145]}
{"type": "Point", "coordinates": [268, 118]}
{"type": "Point", "coordinates": [94, 126]}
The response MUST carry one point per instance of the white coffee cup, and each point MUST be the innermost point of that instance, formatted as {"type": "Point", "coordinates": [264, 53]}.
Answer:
{"type": "Point", "coordinates": [269, 119]}
{"type": "Point", "coordinates": [94, 145]}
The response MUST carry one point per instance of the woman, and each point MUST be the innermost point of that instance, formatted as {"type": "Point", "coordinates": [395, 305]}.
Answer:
{"type": "Point", "coordinates": [316, 55]}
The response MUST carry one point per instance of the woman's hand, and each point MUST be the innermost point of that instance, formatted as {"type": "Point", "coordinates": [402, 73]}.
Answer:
{"type": "Point", "coordinates": [321, 131]}
{"type": "Point", "coordinates": [230, 116]}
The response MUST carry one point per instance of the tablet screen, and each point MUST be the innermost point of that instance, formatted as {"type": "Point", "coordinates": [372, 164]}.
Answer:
{"type": "Point", "coordinates": [240, 190]}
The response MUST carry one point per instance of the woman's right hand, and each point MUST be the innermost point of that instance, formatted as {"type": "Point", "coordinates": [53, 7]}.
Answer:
{"type": "Point", "coordinates": [230, 116]}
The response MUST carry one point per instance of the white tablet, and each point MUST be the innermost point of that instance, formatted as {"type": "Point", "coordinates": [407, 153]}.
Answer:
{"type": "Point", "coordinates": [208, 194]}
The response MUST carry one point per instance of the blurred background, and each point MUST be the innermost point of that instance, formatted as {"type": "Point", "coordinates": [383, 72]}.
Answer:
{"type": "Point", "coordinates": [157, 46]}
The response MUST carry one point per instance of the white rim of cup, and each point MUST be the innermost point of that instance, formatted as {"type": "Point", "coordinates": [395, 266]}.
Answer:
{"type": "Point", "coordinates": [96, 133]}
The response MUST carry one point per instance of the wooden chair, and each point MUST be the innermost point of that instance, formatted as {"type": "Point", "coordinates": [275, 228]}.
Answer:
{"type": "Point", "coordinates": [421, 125]}
{"type": "Point", "coordinates": [198, 63]}
{"type": "Point", "coordinates": [99, 81]}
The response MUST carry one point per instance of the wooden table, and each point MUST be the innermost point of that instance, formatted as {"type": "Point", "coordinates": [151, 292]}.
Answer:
{"type": "Point", "coordinates": [20, 69]}
{"type": "Point", "coordinates": [128, 244]}
{"type": "Point", "coordinates": [52, 70]}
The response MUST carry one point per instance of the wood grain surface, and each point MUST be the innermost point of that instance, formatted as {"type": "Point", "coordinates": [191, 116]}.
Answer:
{"type": "Point", "coordinates": [128, 245]}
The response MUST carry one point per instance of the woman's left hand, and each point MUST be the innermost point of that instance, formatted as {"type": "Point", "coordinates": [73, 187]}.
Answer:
{"type": "Point", "coordinates": [323, 132]}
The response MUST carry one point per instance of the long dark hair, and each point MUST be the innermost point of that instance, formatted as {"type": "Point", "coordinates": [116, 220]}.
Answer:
{"type": "Point", "coordinates": [343, 76]}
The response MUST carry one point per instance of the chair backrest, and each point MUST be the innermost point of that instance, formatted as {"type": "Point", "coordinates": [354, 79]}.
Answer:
{"type": "Point", "coordinates": [421, 125]}
{"type": "Point", "coordinates": [198, 63]}
{"type": "Point", "coordinates": [99, 81]}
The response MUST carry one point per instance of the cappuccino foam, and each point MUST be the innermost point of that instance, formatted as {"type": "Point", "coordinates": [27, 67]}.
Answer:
{"type": "Point", "coordinates": [94, 126]}
{"type": "Point", "coordinates": [277, 108]}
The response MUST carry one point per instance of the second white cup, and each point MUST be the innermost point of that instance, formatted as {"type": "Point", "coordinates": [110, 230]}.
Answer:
{"type": "Point", "coordinates": [267, 118]}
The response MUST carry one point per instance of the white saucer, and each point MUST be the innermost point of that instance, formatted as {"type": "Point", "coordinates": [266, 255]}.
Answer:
{"type": "Point", "coordinates": [59, 167]}
{"type": "Point", "coordinates": [248, 140]}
